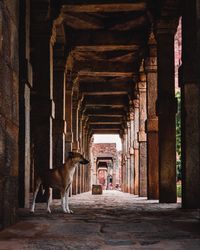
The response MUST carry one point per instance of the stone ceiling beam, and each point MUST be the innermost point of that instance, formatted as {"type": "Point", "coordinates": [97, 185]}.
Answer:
{"type": "Point", "coordinates": [102, 111]}
{"type": "Point", "coordinates": [105, 37]}
{"type": "Point", "coordinates": [107, 100]}
{"type": "Point", "coordinates": [94, 65]}
{"type": "Point", "coordinates": [105, 74]}
{"type": "Point", "coordinates": [102, 8]}
{"type": "Point", "coordinates": [98, 119]}
{"type": "Point", "coordinates": [105, 131]}
{"type": "Point", "coordinates": [106, 87]}
{"type": "Point", "coordinates": [107, 48]}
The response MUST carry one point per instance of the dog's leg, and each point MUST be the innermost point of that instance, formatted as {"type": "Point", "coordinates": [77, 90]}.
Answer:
{"type": "Point", "coordinates": [48, 201]}
{"type": "Point", "coordinates": [67, 200]}
{"type": "Point", "coordinates": [62, 194]}
{"type": "Point", "coordinates": [38, 182]}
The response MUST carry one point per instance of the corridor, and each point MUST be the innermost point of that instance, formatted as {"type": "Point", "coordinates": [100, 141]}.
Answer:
{"type": "Point", "coordinates": [114, 220]}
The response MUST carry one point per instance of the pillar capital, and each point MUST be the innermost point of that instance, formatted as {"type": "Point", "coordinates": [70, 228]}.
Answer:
{"type": "Point", "coordinates": [142, 86]}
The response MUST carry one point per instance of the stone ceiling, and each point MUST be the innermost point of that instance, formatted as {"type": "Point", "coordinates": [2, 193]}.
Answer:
{"type": "Point", "coordinates": [102, 44]}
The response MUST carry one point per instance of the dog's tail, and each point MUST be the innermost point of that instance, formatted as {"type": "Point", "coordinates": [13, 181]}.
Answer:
{"type": "Point", "coordinates": [44, 188]}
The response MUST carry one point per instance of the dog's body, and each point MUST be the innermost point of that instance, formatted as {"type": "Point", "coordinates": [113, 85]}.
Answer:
{"type": "Point", "coordinates": [60, 178]}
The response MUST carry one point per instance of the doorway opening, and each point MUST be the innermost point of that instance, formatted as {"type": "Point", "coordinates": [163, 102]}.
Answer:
{"type": "Point", "coordinates": [106, 161]}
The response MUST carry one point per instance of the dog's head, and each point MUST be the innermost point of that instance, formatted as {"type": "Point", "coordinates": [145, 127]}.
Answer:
{"type": "Point", "coordinates": [77, 158]}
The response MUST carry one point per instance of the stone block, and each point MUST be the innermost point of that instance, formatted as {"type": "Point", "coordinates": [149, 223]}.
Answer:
{"type": "Point", "coordinates": [97, 189]}
{"type": "Point", "coordinates": [152, 125]}
{"type": "Point", "coordinates": [142, 136]}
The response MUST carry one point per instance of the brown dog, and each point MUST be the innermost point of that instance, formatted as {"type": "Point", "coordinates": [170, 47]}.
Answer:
{"type": "Point", "coordinates": [60, 178]}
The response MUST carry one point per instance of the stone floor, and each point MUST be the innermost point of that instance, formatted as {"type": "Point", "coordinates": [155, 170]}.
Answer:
{"type": "Point", "coordinates": [113, 220]}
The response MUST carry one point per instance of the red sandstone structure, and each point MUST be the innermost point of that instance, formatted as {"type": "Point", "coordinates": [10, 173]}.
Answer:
{"type": "Point", "coordinates": [71, 69]}
{"type": "Point", "coordinates": [105, 165]}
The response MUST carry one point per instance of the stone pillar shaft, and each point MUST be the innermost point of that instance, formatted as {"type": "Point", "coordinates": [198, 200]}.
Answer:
{"type": "Point", "coordinates": [68, 117]}
{"type": "Point", "coordinates": [152, 122]}
{"type": "Point", "coordinates": [166, 115]}
{"type": "Point", "coordinates": [139, 173]}
{"type": "Point", "coordinates": [128, 156]}
{"type": "Point", "coordinates": [59, 125]}
{"type": "Point", "coordinates": [141, 133]}
{"type": "Point", "coordinates": [42, 103]}
{"type": "Point", "coordinates": [132, 173]}
{"type": "Point", "coordinates": [190, 93]}
{"type": "Point", "coordinates": [126, 161]}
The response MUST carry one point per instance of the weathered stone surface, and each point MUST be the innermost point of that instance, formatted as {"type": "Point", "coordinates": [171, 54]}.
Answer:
{"type": "Point", "coordinates": [114, 220]}
{"type": "Point", "coordinates": [9, 84]}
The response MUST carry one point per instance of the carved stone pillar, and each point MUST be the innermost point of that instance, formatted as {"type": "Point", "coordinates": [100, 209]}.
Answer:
{"type": "Point", "coordinates": [75, 143]}
{"type": "Point", "coordinates": [152, 121]}
{"type": "Point", "coordinates": [142, 134]}
{"type": "Point", "coordinates": [167, 106]}
{"type": "Point", "coordinates": [68, 117]}
{"type": "Point", "coordinates": [139, 173]}
{"type": "Point", "coordinates": [190, 93]}
{"type": "Point", "coordinates": [114, 173]}
{"type": "Point", "coordinates": [123, 163]}
{"type": "Point", "coordinates": [131, 150]}
{"type": "Point", "coordinates": [128, 155]}
{"type": "Point", "coordinates": [59, 123]}
{"type": "Point", "coordinates": [125, 160]}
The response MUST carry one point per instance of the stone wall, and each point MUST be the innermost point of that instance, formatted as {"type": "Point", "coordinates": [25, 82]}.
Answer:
{"type": "Point", "coordinates": [104, 149]}
{"type": "Point", "coordinates": [9, 75]}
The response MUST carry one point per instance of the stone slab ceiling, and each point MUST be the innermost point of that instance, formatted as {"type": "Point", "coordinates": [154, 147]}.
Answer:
{"type": "Point", "coordinates": [107, 41]}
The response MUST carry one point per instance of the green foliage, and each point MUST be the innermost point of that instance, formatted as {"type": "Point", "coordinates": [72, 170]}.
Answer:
{"type": "Point", "coordinates": [179, 189]}
{"type": "Point", "coordinates": [178, 136]}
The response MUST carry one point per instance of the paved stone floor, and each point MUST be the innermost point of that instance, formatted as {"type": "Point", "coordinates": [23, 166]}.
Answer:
{"type": "Point", "coordinates": [113, 220]}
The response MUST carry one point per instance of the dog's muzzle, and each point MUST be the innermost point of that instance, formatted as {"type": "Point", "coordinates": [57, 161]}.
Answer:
{"type": "Point", "coordinates": [84, 161]}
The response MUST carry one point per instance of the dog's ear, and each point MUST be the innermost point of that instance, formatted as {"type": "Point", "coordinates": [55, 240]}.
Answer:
{"type": "Point", "coordinates": [70, 154]}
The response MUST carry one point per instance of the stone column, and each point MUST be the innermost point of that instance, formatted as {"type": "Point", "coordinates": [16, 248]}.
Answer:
{"type": "Point", "coordinates": [75, 144]}
{"type": "Point", "coordinates": [122, 163]}
{"type": "Point", "coordinates": [167, 106]}
{"type": "Point", "coordinates": [152, 121]}
{"type": "Point", "coordinates": [25, 84]}
{"type": "Point", "coordinates": [114, 174]}
{"type": "Point", "coordinates": [142, 134]}
{"type": "Point", "coordinates": [139, 173]}
{"type": "Point", "coordinates": [59, 123]}
{"type": "Point", "coordinates": [42, 103]}
{"type": "Point", "coordinates": [190, 93]}
{"type": "Point", "coordinates": [68, 113]}
{"type": "Point", "coordinates": [125, 160]}
{"type": "Point", "coordinates": [128, 156]}
{"type": "Point", "coordinates": [132, 173]}
{"type": "Point", "coordinates": [9, 114]}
